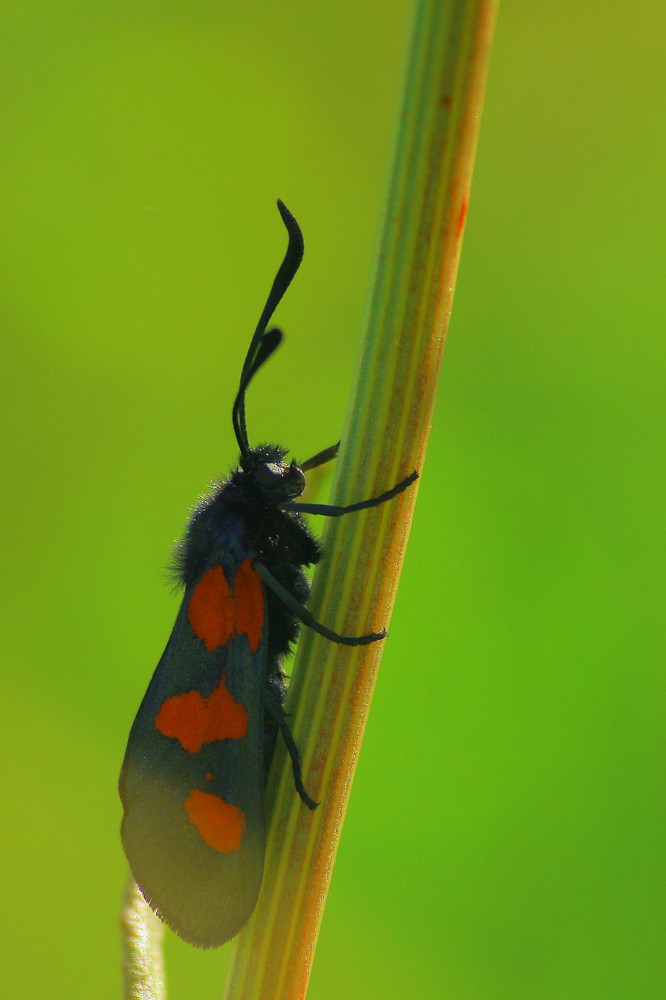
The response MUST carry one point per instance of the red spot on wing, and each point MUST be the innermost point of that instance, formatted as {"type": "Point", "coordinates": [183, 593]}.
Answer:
{"type": "Point", "coordinates": [249, 604]}
{"type": "Point", "coordinates": [211, 609]}
{"type": "Point", "coordinates": [194, 720]}
{"type": "Point", "coordinates": [220, 824]}
{"type": "Point", "coordinates": [217, 612]}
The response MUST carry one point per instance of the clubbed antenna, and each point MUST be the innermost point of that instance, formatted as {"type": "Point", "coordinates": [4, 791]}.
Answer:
{"type": "Point", "coordinates": [264, 342]}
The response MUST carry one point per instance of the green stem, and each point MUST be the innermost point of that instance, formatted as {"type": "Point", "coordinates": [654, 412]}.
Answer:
{"type": "Point", "coordinates": [385, 438]}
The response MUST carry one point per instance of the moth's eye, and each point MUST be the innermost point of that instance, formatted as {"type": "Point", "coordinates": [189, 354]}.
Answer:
{"type": "Point", "coordinates": [270, 474]}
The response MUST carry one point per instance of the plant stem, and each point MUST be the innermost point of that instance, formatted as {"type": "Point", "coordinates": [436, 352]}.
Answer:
{"type": "Point", "coordinates": [385, 438]}
{"type": "Point", "coordinates": [142, 932]}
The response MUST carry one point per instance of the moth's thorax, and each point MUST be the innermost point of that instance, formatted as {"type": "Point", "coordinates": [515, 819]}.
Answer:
{"type": "Point", "coordinates": [242, 516]}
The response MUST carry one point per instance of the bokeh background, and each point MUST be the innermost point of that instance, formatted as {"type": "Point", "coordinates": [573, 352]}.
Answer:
{"type": "Point", "coordinates": [505, 837]}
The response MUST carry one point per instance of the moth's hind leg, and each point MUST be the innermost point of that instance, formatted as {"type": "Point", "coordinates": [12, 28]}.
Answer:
{"type": "Point", "coordinates": [279, 716]}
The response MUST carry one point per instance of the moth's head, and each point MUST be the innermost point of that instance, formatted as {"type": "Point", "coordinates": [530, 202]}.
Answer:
{"type": "Point", "coordinates": [276, 479]}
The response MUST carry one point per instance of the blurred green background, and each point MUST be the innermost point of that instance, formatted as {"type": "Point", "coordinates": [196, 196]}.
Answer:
{"type": "Point", "coordinates": [505, 837]}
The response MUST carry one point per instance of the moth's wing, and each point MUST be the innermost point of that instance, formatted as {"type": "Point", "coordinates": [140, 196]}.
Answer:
{"type": "Point", "coordinates": [192, 784]}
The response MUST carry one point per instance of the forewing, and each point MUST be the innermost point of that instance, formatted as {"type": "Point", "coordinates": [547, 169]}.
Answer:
{"type": "Point", "coordinates": [192, 781]}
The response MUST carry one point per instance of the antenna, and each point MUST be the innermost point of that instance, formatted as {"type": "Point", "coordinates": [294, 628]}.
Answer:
{"type": "Point", "coordinates": [264, 342]}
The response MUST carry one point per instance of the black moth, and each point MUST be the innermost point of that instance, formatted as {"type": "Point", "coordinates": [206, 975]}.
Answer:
{"type": "Point", "coordinates": [193, 778]}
